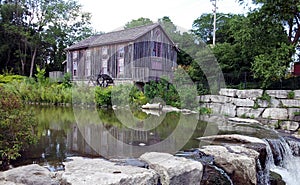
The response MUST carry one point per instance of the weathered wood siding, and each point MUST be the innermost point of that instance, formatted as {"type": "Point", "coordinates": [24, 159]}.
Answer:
{"type": "Point", "coordinates": [152, 55]}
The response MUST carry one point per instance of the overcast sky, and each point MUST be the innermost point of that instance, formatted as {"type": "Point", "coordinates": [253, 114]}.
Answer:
{"type": "Point", "coordinates": [108, 15]}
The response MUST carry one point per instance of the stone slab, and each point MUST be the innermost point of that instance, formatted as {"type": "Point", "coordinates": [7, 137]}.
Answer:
{"type": "Point", "coordinates": [249, 93]}
{"type": "Point", "coordinates": [275, 113]}
{"type": "Point", "coordinates": [290, 103]}
{"type": "Point", "coordinates": [228, 92]}
{"type": "Point", "coordinates": [279, 94]}
{"type": "Point", "coordinates": [80, 171]}
{"type": "Point", "coordinates": [249, 112]}
{"type": "Point", "coordinates": [243, 102]}
{"type": "Point", "coordinates": [174, 170]}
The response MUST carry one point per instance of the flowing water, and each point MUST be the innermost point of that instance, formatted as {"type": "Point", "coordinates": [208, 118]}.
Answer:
{"type": "Point", "coordinates": [60, 136]}
{"type": "Point", "coordinates": [283, 158]}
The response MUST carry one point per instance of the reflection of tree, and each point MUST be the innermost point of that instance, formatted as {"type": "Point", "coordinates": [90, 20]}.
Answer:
{"type": "Point", "coordinates": [60, 135]}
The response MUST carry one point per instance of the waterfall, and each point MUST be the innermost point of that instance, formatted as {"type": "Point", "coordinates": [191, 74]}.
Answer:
{"type": "Point", "coordinates": [283, 158]}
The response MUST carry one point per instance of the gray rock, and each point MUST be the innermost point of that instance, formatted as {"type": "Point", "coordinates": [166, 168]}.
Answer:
{"type": "Point", "coordinates": [174, 170]}
{"type": "Point", "coordinates": [214, 99]}
{"type": "Point", "coordinates": [291, 103]}
{"type": "Point", "coordinates": [250, 93]}
{"type": "Point", "coordinates": [291, 112]}
{"type": "Point", "coordinates": [280, 94]}
{"type": "Point", "coordinates": [243, 121]}
{"type": "Point", "coordinates": [233, 138]}
{"type": "Point", "coordinates": [297, 94]}
{"type": "Point", "coordinates": [228, 92]}
{"type": "Point", "coordinates": [289, 125]}
{"type": "Point", "coordinates": [243, 102]}
{"type": "Point", "coordinates": [263, 103]}
{"type": "Point", "coordinates": [80, 171]}
{"type": "Point", "coordinates": [228, 109]}
{"type": "Point", "coordinates": [275, 103]}
{"type": "Point", "coordinates": [249, 112]}
{"type": "Point", "coordinates": [215, 107]}
{"type": "Point", "coordinates": [29, 175]}
{"type": "Point", "coordinates": [275, 113]}
{"type": "Point", "coordinates": [237, 161]}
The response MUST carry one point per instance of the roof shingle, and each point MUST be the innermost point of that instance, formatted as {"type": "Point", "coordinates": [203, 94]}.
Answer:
{"type": "Point", "coordinates": [125, 35]}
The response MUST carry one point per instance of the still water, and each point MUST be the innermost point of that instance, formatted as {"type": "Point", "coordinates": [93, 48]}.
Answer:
{"type": "Point", "coordinates": [63, 132]}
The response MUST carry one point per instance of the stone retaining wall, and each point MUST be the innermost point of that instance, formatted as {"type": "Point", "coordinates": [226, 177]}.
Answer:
{"type": "Point", "coordinates": [280, 108]}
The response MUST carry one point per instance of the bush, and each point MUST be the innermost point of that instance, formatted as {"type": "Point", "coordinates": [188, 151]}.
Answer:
{"type": "Point", "coordinates": [10, 78]}
{"type": "Point", "coordinates": [103, 95]}
{"type": "Point", "coordinates": [16, 127]}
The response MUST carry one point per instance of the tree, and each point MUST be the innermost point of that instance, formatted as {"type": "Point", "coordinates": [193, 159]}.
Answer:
{"type": "Point", "coordinates": [203, 27]}
{"type": "Point", "coordinates": [38, 31]}
{"type": "Point", "coordinates": [285, 12]}
{"type": "Point", "coordinates": [138, 22]}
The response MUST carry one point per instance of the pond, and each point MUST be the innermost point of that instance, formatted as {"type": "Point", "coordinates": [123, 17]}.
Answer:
{"type": "Point", "coordinates": [67, 131]}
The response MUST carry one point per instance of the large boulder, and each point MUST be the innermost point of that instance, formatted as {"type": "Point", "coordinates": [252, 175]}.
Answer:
{"type": "Point", "coordinates": [249, 93]}
{"type": "Point", "coordinates": [174, 170]}
{"type": "Point", "coordinates": [280, 94]}
{"type": "Point", "coordinates": [243, 102]}
{"type": "Point", "coordinates": [214, 99]}
{"type": "Point", "coordinates": [233, 138]}
{"type": "Point", "coordinates": [28, 175]}
{"type": "Point", "coordinates": [228, 92]}
{"type": "Point", "coordinates": [249, 112]}
{"type": "Point", "coordinates": [290, 103]}
{"type": "Point", "coordinates": [275, 113]}
{"type": "Point", "coordinates": [228, 109]}
{"type": "Point", "coordinates": [80, 171]}
{"type": "Point", "coordinates": [237, 161]}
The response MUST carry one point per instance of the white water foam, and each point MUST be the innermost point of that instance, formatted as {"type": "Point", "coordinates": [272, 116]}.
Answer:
{"type": "Point", "coordinates": [288, 165]}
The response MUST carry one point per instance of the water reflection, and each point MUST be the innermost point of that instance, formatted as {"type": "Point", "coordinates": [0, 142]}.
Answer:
{"type": "Point", "coordinates": [61, 136]}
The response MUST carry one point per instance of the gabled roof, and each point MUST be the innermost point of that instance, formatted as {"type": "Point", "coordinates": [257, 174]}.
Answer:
{"type": "Point", "coordinates": [121, 36]}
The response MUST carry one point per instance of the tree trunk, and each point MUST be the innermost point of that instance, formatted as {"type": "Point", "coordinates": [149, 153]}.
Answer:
{"type": "Point", "coordinates": [32, 61]}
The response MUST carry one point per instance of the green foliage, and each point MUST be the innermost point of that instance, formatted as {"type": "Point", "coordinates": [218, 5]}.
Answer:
{"type": "Point", "coordinates": [67, 80]}
{"type": "Point", "coordinates": [10, 78]}
{"type": "Point", "coordinates": [162, 92]}
{"type": "Point", "coordinates": [37, 32]}
{"type": "Point", "coordinates": [40, 76]}
{"type": "Point", "coordinates": [16, 127]}
{"type": "Point", "coordinates": [296, 113]}
{"type": "Point", "coordinates": [291, 95]}
{"type": "Point", "coordinates": [103, 95]}
{"type": "Point", "coordinates": [265, 96]}
{"type": "Point", "coordinates": [256, 105]}
{"type": "Point", "coordinates": [204, 110]}
{"type": "Point", "coordinates": [270, 67]}
{"type": "Point", "coordinates": [138, 22]}
{"type": "Point", "coordinates": [181, 93]}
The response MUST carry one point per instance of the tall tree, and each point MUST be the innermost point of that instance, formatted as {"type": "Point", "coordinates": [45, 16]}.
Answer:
{"type": "Point", "coordinates": [38, 31]}
{"type": "Point", "coordinates": [138, 22]}
{"type": "Point", "coordinates": [203, 27]}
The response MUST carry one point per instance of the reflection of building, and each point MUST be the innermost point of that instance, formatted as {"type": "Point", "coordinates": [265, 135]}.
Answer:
{"type": "Point", "coordinates": [95, 139]}
{"type": "Point", "coordinates": [133, 54]}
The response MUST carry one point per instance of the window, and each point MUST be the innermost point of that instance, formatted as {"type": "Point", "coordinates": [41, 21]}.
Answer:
{"type": "Point", "coordinates": [121, 66]}
{"type": "Point", "coordinates": [156, 49]}
{"type": "Point", "coordinates": [75, 58]}
{"type": "Point", "coordinates": [121, 52]}
{"type": "Point", "coordinates": [88, 63]}
{"type": "Point", "coordinates": [104, 67]}
{"type": "Point", "coordinates": [104, 52]}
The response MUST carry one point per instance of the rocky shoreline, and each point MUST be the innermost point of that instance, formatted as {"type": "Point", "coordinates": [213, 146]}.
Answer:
{"type": "Point", "coordinates": [239, 160]}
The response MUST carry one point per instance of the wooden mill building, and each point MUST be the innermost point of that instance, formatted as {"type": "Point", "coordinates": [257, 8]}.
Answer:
{"type": "Point", "coordinates": [138, 54]}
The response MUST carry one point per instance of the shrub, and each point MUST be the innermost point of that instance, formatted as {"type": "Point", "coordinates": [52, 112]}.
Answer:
{"type": "Point", "coordinates": [103, 96]}
{"type": "Point", "coordinates": [16, 127]}
{"type": "Point", "coordinates": [291, 95]}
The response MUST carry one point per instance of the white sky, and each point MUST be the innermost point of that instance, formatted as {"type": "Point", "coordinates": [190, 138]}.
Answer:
{"type": "Point", "coordinates": [108, 15]}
